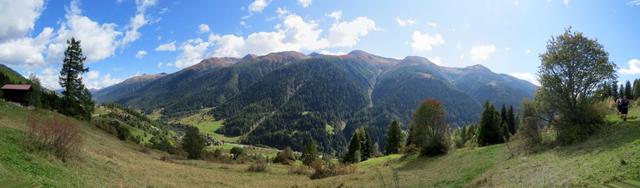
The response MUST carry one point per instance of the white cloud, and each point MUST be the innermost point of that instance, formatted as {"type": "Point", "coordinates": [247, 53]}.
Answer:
{"type": "Point", "coordinates": [348, 33]}
{"type": "Point", "coordinates": [528, 51]}
{"type": "Point", "coordinates": [634, 67]}
{"type": "Point", "coordinates": [433, 24]}
{"type": "Point", "coordinates": [93, 80]}
{"type": "Point", "coordinates": [436, 60]}
{"type": "Point", "coordinates": [17, 18]}
{"type": "Point", "coordinates": [566, 2]}
{"type": "Point", "coordinates": [482, 52]}
{"type": "Point", "coordinates": [336, 15]}
{"type": "Point", "coordinates": [203, 28]}
{"type": "Point", "coordinates": [137, 21]}
{"type": "Point", "coordinates": [405, 22]}
{"type": "Point", "coordinates": [169, 47]}
{"type": "Point", "coordinates": [634, 2]}
{"type": "Point", "coordinates": [258, 5]}
{"type": "Point", "coordinates": [527, 77]}
{"type": "Point", "coordinates": [425, 42]}
{"type": "Point", "coordinates": [305, 3]}
{"type": "Point", "coordinates": [25, 51]}
{"type": "Point", "coordinates": [193, 51]}
{"type": "Point", "coordinates": [49, 78]}
{"type": "Point", "coordinates": [98, 41]}
{"type": "Point", "coordinates": [140, 54]}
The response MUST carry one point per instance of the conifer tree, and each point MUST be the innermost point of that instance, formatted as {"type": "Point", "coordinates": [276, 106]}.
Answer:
{"type": "Point", "coordinates": [310, 152]}
{"type": "Point", "coordinates": [614, 90]}
{"type": "Point", "coordinates": [193, 143]}
{"type": "Point", "coordinates": [354, 149]}
{"type": "Point", "coordinates": [511, 121]}
{"type": "Point", "coordinates": [621, 91]}
{"type": "Point", "coordinates": [394, 138]}
{"type": "Point", "coordinates": [76, 98]}
{"type": "Point", "coordinates": [489, 132]}
{"type": "Point", "coordinates": [367, 144]}
{"type": "Point", "coordinates": [636, 88]}
{"type": "Point", "coordinates": [627, 90]}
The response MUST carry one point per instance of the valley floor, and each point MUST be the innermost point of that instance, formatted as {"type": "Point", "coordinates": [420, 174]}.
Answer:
{"type": "Point", "coordinates": [611, 155]}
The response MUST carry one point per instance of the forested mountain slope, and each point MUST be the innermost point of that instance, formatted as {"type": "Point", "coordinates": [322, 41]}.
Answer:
{"type": "Point", "coordinates": [286, 97]}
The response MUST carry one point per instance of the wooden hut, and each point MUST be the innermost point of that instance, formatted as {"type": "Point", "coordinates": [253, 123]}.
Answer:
{"type": "Point", "coordinates": [19, 93]}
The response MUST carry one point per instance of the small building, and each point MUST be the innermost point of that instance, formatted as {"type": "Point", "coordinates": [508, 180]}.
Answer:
{"type": "Point", "coordinates": [19, 93]}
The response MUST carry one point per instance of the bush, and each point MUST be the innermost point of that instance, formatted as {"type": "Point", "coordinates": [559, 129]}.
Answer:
{"type": "Point", "coordinates": [123, 132]}
{"type": "Point", "coordinates": [570, 131]}
{"type": "Point", "coordinates": [297, 168]}
{"type": "Point", "coordinates": [327, 168]}
{"type": "Point", "coordinates": [258, 166]}
{"type": "Point", "coordinates": [410, 149]}
{"type": "Point", "coordinates": [58, 135]}
{"type": "Point", "coordinates": [285, 156]}
{"type": "Point", "coordinates": [237, 152]}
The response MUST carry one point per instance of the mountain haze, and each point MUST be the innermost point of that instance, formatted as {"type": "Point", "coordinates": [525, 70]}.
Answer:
{"type": "Point", "coordinates": [282, 99]}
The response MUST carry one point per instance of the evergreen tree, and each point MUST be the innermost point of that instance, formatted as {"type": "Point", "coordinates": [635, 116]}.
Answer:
{"type": "Point", "coordinates": [621, 92]}
{"type": "Point", "coordinates": [394, 138]}
{"type": "Point", "coordinates": [614, 90]}
{"type": "Point", "coordinates": [354, 149]}
{"type": "Point", "coordinates": [489, 132]}
{"type": "Point", "coordinates": [193, 143]}
{"type": "Point", "coordinates": [511, 121]}
{"type": "Point", "coordinates": [636, 88]}
{"type": "Point", "coordinates": [627, 90]}
{"type": "Point", "coordinates": [310, 152]}
{"type": "Point", "coordinates": [367, 144]}
{"type": "Point", "coordinates": [76, 100]}
{"type": "Point", "coordinates": [429, 130]}
{"type": "Point", "coordinates": [504, 122]}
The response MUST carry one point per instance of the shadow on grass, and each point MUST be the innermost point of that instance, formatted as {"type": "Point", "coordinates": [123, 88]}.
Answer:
{"type": "Point", "coordinates": [609, 137]}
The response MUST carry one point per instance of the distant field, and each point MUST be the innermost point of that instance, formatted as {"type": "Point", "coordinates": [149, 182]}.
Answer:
{"type": "Point", "coordinates": [207, 124]}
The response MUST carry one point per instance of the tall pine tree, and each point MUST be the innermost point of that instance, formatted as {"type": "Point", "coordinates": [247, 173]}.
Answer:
{"type": "Point", "coordinates": [511, 121]}
{"type": "Point", "coordinates": [394, 138]}
{"type": "Point", "coordinates": [310, 152]}
{"type": "Point", "coordinates": [353, 152]}
{"type": "Point", "coordinates": [621, 91]}
{"type": "Point", "coordinates": [489, 132]}
{"type": "Point", "coordinates": [614, 90]}
{"type": "Point", "coordinates": [76, 98]}
{"type": "Point", "coordinates": [367, 144]}
{"type": "Point", "coordinates": [627, 90]}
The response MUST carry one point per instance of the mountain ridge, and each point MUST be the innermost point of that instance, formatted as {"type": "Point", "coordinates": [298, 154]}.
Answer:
{"type": "Point", "coordinates": [286, 97]}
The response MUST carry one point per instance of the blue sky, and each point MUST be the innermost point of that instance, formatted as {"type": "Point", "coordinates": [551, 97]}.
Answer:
{"type": "Point", "coordinates": [123, 38]}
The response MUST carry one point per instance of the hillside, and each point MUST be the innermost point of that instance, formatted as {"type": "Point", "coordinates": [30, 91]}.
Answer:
{"type": "Point", "coordinates": [319, 96]}
{"type": "Point", "coordinates": [610, 156]}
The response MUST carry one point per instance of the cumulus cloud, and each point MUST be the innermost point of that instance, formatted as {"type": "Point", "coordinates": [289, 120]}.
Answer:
{"type": "Point", "coordinates": [193, 51]}
{"type": "Point", "coordinates": [634, 67]}
{"type": "Point", "coordinates": [203, 28]}
{"type": "Point", "coordinates": [433, 24]}
{"type": "Point", "coordinates": [529, 77]}
{"type": "Point", "coordinates": [347, 33]}
{"type": "Point", "coordinates": [98, 41]}
{"type": "Point", "coordinates": [25, 51]}
{"type": "Point", "coordinates": [425, 42]}
{"type": "Point", "coordinates": [482, 52]}
{"type": "Point", "coordinates": [93, 80]}
{"type": "Point", "coordinates": [18, 17]}
{"type": "Point", "coordinates": [436, 60]}
{"type": "Point", "coordinates": [169, 47]}
{"type": "Point", "coordinates": [137, 21]}
{"type": "Point", "coordinates": [140, 54]}
{"type": "Point", "coordinates": [405, 22]}
{"type": "Point", "coordinates": [336, 15]}
{"type": "Point", "coordinates": [49, 78]}
{"type": "Point", "coordinates": [258, 5]}
{"type": "Point", "coordinates": [305, 3]}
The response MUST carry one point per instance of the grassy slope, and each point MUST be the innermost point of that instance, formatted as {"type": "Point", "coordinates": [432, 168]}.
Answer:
{"type": "Point", "coordinates": [207, 125]}
{"type": "Point", "coordinates": [112, 162]}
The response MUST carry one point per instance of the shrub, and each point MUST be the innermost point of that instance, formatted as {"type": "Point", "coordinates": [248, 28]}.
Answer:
{"type": "Point", "coordinates": [327, 168]}
{"type": "Point", "coordinates": [410, 149]}
{"type": "Point", "coordinates": [258, 166]}
{"type": "Point", "coordinates": [285, 156]}
{"type": "Point", "coordinates": [123, 132]}
{"type": "Point", "coordinates": [237, 152]}
{"type": "Point", "coordinates": [218, 153]}
{"type": "Point", "coordinates": [297, 168]}
{"type": "Point", "coordinates": [58, 135]}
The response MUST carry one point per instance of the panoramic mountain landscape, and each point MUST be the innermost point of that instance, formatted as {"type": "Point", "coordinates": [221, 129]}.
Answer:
{"type": "Point", "coordinates": [308, 93]}
{"type": "Point", "coordinates": [282, 98]}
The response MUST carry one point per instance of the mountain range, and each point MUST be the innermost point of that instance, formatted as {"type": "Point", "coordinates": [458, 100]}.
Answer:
{"type": "Point", "coordinates": [282, 99]}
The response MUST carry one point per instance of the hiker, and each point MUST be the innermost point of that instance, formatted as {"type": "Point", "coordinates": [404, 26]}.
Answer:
{"type": "Point", "coordinates": [618, 101]}
{"type": "Point", "coordinates": [624, 108]}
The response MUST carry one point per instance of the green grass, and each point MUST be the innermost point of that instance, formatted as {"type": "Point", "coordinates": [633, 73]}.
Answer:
{"type": "Point", "coordinates": [610, 157]}
{"type": "Point", "coordinates": [207, 124]}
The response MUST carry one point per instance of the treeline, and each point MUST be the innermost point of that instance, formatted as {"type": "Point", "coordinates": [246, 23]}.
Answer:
{"type": "Point", "coordinates": [612, 89]}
